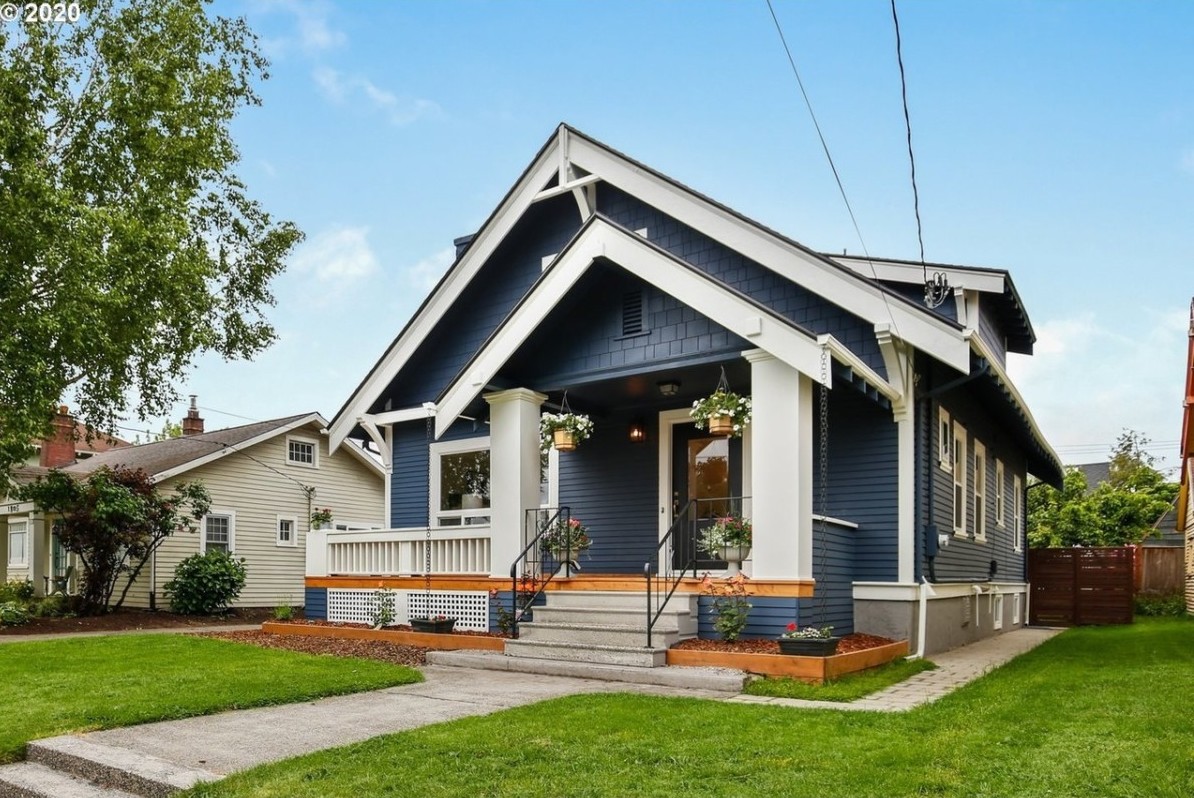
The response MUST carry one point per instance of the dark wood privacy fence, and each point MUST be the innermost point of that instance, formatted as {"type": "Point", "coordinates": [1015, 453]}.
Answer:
{"type": "Point", "coordinates": [1071, 587]}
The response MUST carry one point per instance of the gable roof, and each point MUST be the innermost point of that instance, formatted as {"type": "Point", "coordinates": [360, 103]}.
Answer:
{"type": "Point", "coordinates": [174, 456]}
{"type": "Point", "coordinates": [568, 148]}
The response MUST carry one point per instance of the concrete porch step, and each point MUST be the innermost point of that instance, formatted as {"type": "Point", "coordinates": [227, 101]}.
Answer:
{"type": "Point", "coordinates": [633, 656]}
{"type": "Point", "coordinates": [673, 619]}
{"type": "Point", "coordinates": [721, 680]}
{"type": "Point", "coordinates": [596, 634]}
{"type": "Point", "coordinates": [115, 768]}
{"type": "Point", "coordinates": [32, 780]}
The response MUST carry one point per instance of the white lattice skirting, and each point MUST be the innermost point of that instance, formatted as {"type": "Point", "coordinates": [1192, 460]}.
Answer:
{"type": "Point", "coordinates": [357, 605]}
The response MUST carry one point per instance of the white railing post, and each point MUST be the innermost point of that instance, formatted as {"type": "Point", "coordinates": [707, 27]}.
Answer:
{"type": "Point", "coordinates": [317, 553]}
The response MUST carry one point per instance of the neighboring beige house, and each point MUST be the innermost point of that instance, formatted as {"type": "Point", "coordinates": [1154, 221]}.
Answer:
{"type": "Point", "coordinates": [258, 475]}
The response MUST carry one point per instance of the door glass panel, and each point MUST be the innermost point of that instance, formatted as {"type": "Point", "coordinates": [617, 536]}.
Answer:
{"type": "Point", "coordinates": [709, 475]}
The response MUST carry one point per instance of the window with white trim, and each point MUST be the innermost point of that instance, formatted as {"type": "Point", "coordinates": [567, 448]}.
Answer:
{"type": "Point", "coordinates": [1015, 609]}
{"type": "Point", "coordinates": [998, 611]}
{"type": "Point", "coordinates": [945, 440]}
{"type": "Point", "coordinates": [1017, 513]}
{"type": "Point", "coordinates": [18, 543]}
{"type": "Point", "coordinates": [1000, 490]}
{"type": "Point", "coordinates": [353, 526]}
{"type": "Point", "coordinates": [286, 531]}
{"type": "Point", "coordinates": [959, 469]}
{"type": "Point", "coordinates": [460, 482]}
{"type": "Point", "coordinates": [979, 494]}
{"type": "Point", "coordinates": [219, 531]}
{"type": "Point", "coordinates": [302, 452]}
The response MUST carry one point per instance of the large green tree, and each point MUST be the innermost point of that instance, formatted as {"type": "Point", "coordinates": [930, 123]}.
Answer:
{"type": "Point", "coordinates": [1123, 510]}
{"type": "Point", "coordinates": [128, 244]}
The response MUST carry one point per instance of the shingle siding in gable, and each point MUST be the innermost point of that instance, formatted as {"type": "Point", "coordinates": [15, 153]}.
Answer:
{"type": "Point", "coordinates": [484, 304]}
{"type": "Point", "coordinates": [762, 284]}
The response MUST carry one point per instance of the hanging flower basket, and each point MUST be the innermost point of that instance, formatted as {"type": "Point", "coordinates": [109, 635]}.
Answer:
{"type": "Point", "coordinates": [722, 413]}
{"type": "Point", "coordinates": [564, 431]}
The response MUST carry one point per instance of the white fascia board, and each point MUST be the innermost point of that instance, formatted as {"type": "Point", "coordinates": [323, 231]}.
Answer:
{"type": "Point", "coordinates": [396, 416]}
{"type": "Point", "coordinates": [842, 354]}
{"type": "Point", "coordinates": [379, 466]}
{"type": "Point", "coordinates": [642, 259]}
{"type": "Point", "coordinates": [224, 451]}
{"type": "Point", "coordinates": [986, 280]}
{"type": "Point", "coordinates": [982, 350]}
{"type": "Point", "coordinates": [835, 284]}
{"type": "Point", "coordinates": [446, 293]}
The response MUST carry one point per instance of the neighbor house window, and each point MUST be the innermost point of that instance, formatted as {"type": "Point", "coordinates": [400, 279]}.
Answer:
{"type": "Point", "coordinates": [302, 451]}
{"type": "Point", "coordinates": [1017, 514]}
{"type": "Point", "coordinates": [287, 532]}
{"type": "Point", "coordinates": [460, 482]}
{"type": "Point", "coordinates": [218, 532]}
{"type": "Point", "coordinates": [980, 491]}
{"type": "Point", "coordinates": [1000, 489]}
{"type": "Point", "coordinates": [959, 469]}
{"type": "Point", "coordinates": [18, 543]}
{"type": "Point", "coordinates": [945, 440]}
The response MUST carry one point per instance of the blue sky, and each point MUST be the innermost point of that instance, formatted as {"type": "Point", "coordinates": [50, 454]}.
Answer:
{"type": "Point", "coordinates": [1053, 139]}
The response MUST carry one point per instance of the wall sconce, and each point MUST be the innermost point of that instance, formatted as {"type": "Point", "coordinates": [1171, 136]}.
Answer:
{"type": "Point", "coordinates": [638, 431]}
{"type": "Point", "coordinates": [668, 387]}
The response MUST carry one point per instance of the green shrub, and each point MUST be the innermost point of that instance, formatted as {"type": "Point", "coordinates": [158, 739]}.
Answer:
{"type": "Point", "coordinates": [1161, 604]}
{"type": "Point", "coordinates": [52, 607]}
{"type": "Point", "coordinates": [283, 612]}
{"type": "Point", "coordinates": [16, 590]}
{"type": "Point", "coordinates": [13, 614]}
{"type": "Point", "coordinates": [206, 583]}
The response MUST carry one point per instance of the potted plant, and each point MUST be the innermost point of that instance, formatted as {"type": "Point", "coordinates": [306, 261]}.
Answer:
{"type": "Point", "coordinates": [729, 539]}
{"type": "Point", "coordinates": [321, 518]}
{"type": "Point", "coordinates": [811, 641]}
{"type": "Point", "coordinates": [722, 413]}
{"type": "Point", "coordinates": [565, 541]}
{"type": "Point", "coordinates": [564, 430]}
{"type": "Point", "coordinates": [438, 624]}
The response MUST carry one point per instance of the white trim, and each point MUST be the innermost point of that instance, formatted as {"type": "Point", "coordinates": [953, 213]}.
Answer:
{"type": "Point", "coordinates": [667, 420]}
{"type": "Point", "coordinates": [961, 481]}
{"type": "Point", "coordinates": [387, 507]}
{"type": "Point", "coordinates": [278, 521]}
{"type": "Point", "coordinates": [190, 465]}
{"type": "Point", "coordinates": [997, 611]}
{"type": "Point", "coordinates": [987, 280]}
{"type": "Point", "coordinates": [395, 416]}
{"type": "Point", "coordinates": [1017, 608]}
{"type": "Point", "coordinates": [602, 240]}
{"type": "Point", "coordinates": [303, 440]}
{"type": "Point", "coordinates": [23, 532]}
{"type": "Point", "coordinates": [945, 440]}
{"type": "Point", "coordinates": [18, 508]}
{"type": "Point", "coordinates": [978, 491]}
{"type": "Point", "coordinates": [832, 521]}
{"type": "Point", "coordinates": [846, 357]}
{"type": "Point", "coordinates": [905, 591]}
{"type": "Point", "coordinates": [434, 452]}
{"type": "Point", "coordinates": [218, 512]}
{"type": "Point", "coordinates": [352, 526]}
{"type": "Point", "coordinates": [1017, 514]}
{"type": "Point", "coordinates": [1000, 494]}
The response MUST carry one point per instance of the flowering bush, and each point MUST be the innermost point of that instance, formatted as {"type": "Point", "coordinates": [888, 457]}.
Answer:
{"type": "Point", "coordinates": [578, 424]}
{"type": "Point", "coordinates": [728, 531]}
{"type": "Point", "coordinates": [729, 606]}
{"type": "Point", "coordinates": [808, 632]}
{"type": "Point", "coordinates": [722, 403]}
{"type": "Point", "coordinates": [564, 537]}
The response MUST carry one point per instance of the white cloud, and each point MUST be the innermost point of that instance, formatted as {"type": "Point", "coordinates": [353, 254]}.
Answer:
{"type": "Point", "coordinates": [338, 256]}
{"type": "Point", "coordinates": [1088, 382]}
{"type": "Point", "coordinates": [313, 32]}
{"type": "Point", "coordinates": [426, 273]}
{"type": "Point", "coordinates": [400, 111]}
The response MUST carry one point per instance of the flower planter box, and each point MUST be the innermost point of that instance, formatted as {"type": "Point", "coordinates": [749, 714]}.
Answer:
{"type": "Point", "coordinates": [814, 670]}
{"type": "Point", "coordinates": [439, 626]}
{"type": "Point", "coordinates": [809, 646]}
{"type": "Point", "coordinates": [441, 642]}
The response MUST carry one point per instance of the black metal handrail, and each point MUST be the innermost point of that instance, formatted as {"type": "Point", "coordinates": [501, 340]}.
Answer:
{"type": "Point", "coordinates": [685, 530]}
{"type": "Point", "coordinates": [531, 561]}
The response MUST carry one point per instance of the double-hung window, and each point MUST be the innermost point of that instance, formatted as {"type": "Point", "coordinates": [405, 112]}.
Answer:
{"type": "Point", "coordinates": [460, 482]}
{"type": "Point", "coordinates": [1017, 513]}
{"type": "Point", "coordinates": [1000, 490]}
{"type": "Point", "coordinates": [979, 493]}
{"type": "Point", "coordinates": [302, 452]}
{"type": "Point", "coordinates": [286, 532]}
{"type": "Point", "coordinates": [218, 532]}
{"type": "Point", "coordinates": [959, 468]}
{"type": "Point", "coordinates": [945, 440]}
{"type": "Point", "coordinates": [18, 543]}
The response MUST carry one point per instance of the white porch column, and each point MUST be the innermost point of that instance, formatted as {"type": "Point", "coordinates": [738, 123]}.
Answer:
{"type": "Point", "coordinates": [513, 471]}
{"type": "Point", "coordinates": [781, 468]}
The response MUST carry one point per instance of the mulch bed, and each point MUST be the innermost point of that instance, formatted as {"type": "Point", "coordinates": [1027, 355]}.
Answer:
{"type": "Point", "coordinates": [393, 653]}
{"type": "Point", "coordinates": [133, 620]}
{"type": "Point", "coordinates": [396, 628]}
{"type": "Point", "coordinates": [855, 642]}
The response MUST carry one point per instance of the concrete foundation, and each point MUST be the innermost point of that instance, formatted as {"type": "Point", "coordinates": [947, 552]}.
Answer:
{"type": "Point", "coordinates": [959, 613]}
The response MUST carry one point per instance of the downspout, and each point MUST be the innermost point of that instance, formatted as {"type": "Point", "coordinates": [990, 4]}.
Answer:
{"type": "Point", "coordinates": [922, 624]}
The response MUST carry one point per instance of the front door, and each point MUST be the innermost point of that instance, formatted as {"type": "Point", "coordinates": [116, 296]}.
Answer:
{"type": "Point", "coordinates": [707, 471]}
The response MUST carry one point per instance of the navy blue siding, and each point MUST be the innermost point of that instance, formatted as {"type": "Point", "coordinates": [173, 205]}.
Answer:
{"type": "Point", "coordinates": [990, 330]}
{"type": "Point", "coordinates": [315, 603]}
{"type": "Point", "coordinates": [408, 485]}
{"type": "Point", "coordinates": [768, 617]}
{"type": "Point", "coordinates": [833, 561]}
{"type": "Point", "coordinates": [611, 485]}
{"type": "Point", "coordinates": [791, 300]}
{"type": "Point", "coordinates": [966, 559]}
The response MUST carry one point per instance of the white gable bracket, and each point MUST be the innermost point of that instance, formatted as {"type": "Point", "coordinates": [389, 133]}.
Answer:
{"type": "Point", "coordinates": [843, 355]}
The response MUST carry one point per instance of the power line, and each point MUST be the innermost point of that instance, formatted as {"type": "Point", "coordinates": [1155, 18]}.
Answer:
{"type": "Point", "coordinates": [908, 127]}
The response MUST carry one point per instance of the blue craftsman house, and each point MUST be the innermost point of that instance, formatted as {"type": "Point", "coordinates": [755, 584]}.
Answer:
{"type": "Point", "coordinates": [884, 469]}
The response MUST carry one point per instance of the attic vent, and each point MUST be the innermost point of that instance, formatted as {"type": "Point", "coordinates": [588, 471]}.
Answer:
{"type": "Point", "coordinates": [633, 319]}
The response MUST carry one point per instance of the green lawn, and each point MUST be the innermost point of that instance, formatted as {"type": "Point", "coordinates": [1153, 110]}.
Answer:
{"type": "Point", "coordinates": [847, 688]}
{"type": "Point", "coordinates": [54, 687]}
{"type": "Point", "coordinates": [1094, 712]}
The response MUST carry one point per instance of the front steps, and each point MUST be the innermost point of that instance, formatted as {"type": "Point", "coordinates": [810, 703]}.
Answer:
{"type": "Point", "coordinates": [604, 628]}
{"type": "Point", "coordinates": [75, 767]}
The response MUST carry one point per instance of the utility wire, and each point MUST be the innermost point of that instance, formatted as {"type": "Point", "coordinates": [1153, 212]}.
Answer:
{"type": "Point", "coordinates": [908, 127]}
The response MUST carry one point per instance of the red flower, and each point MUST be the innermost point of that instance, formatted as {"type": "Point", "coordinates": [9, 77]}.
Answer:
{"type": "Point", "coordinates": [791, 627]}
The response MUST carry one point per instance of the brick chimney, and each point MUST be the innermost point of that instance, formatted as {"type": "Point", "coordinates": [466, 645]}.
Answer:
{"type": "Point", "coordinates": [59, 449]}
{"type": "Point", "coordinates": [192, 424]}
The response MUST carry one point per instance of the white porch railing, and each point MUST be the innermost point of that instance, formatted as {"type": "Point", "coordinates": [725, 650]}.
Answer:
{"type": "Point", "coordinates": [399, 552]}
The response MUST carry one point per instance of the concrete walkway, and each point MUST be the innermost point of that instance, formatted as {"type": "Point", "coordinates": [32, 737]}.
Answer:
{"type": "Point", "coordinates": [954, 669]}
{"type": "Point", "coordinates": [159, 758]}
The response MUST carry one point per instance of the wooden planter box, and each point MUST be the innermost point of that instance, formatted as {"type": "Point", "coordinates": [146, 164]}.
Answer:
{"type": "Point", "coordinates": [814, 670]}
{"type": "Point", "coordinates": [441, 642]}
